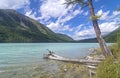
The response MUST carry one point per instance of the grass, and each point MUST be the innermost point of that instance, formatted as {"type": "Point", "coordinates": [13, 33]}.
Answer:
{"type": "Point", "coordinates": [110, 67]}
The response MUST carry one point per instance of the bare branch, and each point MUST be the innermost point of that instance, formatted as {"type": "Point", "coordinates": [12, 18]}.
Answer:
{"type": "Point", "coordinates": [82, 3]}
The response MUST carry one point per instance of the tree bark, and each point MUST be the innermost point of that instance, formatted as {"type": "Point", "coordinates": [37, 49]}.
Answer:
{"type": "Point", "coordinates": [104, 48]}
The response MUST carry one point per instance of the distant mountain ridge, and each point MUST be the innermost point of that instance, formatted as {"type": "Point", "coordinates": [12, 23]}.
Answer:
{"type": "Point", "coordinates": [89, 40]}
{"type": "Point", "coordinates": [15, 27]}
{"type": "Point", "coordinates": [111, 37]}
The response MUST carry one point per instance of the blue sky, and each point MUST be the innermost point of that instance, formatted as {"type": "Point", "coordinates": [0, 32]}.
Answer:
{"type": "Point", "coordinates": [72, 20]}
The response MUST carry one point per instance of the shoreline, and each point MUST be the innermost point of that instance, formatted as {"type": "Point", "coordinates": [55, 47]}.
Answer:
{"type": "Point", "coordinates": [70, 67]}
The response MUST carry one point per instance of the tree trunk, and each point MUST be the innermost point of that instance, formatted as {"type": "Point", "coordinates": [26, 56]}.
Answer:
{"type": "Point", "coordinates": [104, 48]}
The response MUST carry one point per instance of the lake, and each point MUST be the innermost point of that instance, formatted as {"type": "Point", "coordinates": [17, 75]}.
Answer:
{"type": "Point", "coordinates": [17, 56]}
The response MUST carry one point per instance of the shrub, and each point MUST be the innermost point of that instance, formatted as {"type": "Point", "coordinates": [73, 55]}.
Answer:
{"type": "Point", "coordinates": [108, 69]}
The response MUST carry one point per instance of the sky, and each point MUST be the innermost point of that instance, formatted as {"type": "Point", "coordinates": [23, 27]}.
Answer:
{"type": "Point", "coordinates": [73, 20]}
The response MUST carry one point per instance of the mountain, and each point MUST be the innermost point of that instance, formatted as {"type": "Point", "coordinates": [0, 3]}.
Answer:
{"type": "Point", "coordinates": [111, 37]}
{"type": "Point", "coordinates": [65, 37]}
{"type": "Point", "coordinates": [15, 27]}
{"type": "Point", "coordinates": [90, 40]}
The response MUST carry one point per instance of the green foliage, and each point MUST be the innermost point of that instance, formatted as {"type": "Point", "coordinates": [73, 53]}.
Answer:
{"type": "Point", "coordinates": [112, 37]}
{"type": "Point", "coordinates": [108, 69]}
{"type": "Point", "coordinates": [15, 27]}
{"type": "Point", "coordinates": [65, 37]}
{"type": "Point", "coordinates": [95, 17]}
{"type": "Point", "coordinates": [7, 35]}
{"type": "Point", "coordinates": [115, 48]}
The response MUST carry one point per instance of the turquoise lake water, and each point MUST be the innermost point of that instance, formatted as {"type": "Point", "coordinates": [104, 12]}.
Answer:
{"type": "Point", "coordinates": [16, 55]}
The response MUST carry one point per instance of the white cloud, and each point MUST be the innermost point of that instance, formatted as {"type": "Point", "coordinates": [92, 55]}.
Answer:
{"type": "Point", "coordinates": [52, 8]}
{"type": "Point", "coordinates": [108, 27]}
{"type": "Point", "coordinates": [31, 15]}
{"type": "Point", "coordinates": [104, 15]}
{"type": "Point", "coordinates": [82, 34]}
{"type": "Point", "coordinates": [78, 28]}
{"type": "Point", "coordinates": [13, 4]}
{"type": "Point", "coordinates": [69, 16]}
{"type": "Point", "coordinates": [116, 16]}
{"type": "Point", "coordinates": [57, 10]}
{"type": "Point", "coordinates": [28, 13]}
{"type": "Point", "coordinates": [54, 26]}
{"type": "Point", "coordinates": [86, 13]}
{"type": "Point", "coordinates": [105, 28]}
{"type": "Point", "coordinates": [59, 28]}
{"type": "Point", "coordinates": [116, 13]}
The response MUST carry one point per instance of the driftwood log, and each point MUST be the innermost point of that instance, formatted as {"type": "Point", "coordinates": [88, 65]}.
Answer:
{"type": "Point", "coordinates": [82, 61]}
